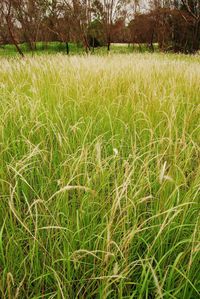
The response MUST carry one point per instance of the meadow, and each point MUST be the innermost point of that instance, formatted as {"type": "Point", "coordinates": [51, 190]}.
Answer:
{"type": "Point", "coordinates": [100, 177]}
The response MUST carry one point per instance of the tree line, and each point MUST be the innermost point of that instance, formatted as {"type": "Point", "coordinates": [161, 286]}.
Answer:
{"type": "Point", "coordinates": [173, 24]}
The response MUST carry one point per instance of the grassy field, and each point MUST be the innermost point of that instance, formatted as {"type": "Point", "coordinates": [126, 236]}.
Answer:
{"type": "Point", "coordinates": [100, 177]}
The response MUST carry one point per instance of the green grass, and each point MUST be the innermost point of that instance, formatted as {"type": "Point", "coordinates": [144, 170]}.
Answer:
{"type": "Point", "coordinates": [57, 47]}
{"type": "Point", "coordinates": [100, 177]}
{"type": "Point", "coordinates": [41, 49]}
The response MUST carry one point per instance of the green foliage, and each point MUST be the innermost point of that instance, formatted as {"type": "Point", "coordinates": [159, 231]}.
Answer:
{"type": "Point", "coordinates": [100, 176]}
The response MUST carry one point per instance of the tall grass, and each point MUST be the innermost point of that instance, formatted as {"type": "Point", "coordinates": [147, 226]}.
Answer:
{"type": "Point", "coordinates": [100, 177]}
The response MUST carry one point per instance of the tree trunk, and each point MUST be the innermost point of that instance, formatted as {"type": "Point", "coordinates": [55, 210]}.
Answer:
{"type": "Point", "coordinates": [31, 44]}
{"type": "Point", "coordinates": [67, 47]}
{"type": "Point", "coordinates": [93, 44]}
{"type": "Point", "coordinates": [13, 38]}
{"type": "Point", "coordinates": [151, 42]}
{"type": "Point", "coordinates": [46, 45]}
{"type": "Point", "coordinates": [108, 38]}
{"type": "Point", "coordinates": [196, 36]}
{"type": "Point", "coordinates": [86, 45]}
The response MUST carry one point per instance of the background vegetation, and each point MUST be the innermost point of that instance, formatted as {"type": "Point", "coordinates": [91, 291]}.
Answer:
{"type": "Point", "coordinates": [172, 24]}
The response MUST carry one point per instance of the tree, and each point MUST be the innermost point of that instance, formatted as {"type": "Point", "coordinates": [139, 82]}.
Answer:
{"type": "Point", "coordinates": [142, 29]}
{"type": "Point", "coordinates": [95, 33]}
{"type": "Point", "coordinates": [58, 21]}
{"type": "Point", "coordinates": [7, 13]}
{"type": "Point", "coordinates": [173, 24]}
{"type": "Point", "coordinates": [192, 7]}
{"type": "Point", "coordinates": [29, 16]}
{"type": "Point", "coordinates": [109, 13]}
